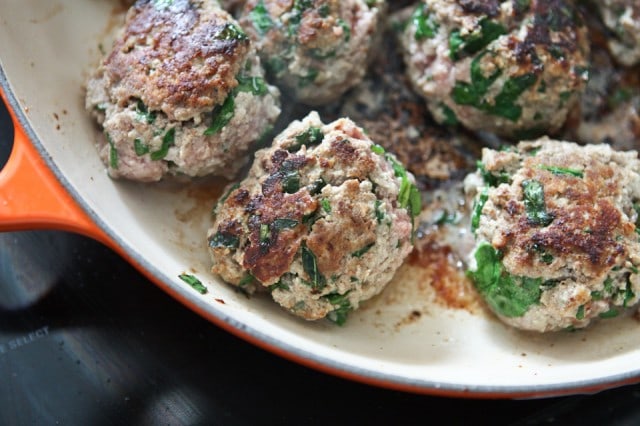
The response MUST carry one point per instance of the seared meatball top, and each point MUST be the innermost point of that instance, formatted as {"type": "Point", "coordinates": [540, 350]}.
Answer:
{"type": "Point", "coordinates": [577, 204]}
{"type": "Point", "coordinates": [316, 49]}
{"type": "Point", "coordinates": [513, 68]}
{"type": "Point", "coordinates": [180, 57]}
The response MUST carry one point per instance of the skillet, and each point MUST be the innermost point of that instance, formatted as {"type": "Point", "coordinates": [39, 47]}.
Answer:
{"type": "Point", "coordinates": [400, 340]}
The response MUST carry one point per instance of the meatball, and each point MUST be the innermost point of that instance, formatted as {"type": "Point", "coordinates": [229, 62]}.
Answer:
{"type": "Point", "coordinates": [315, 50]}
{"type": "Point", "coordinates": [181, 93]}
{"type": "Point", "coordinates": [393, 115]}
{"type": "Point", "coordinates": [622, 18]}
{"type": "Point", "coordinates": [556, 231]}
{"type": "Point", "coordinates": [511, 68]}
{"type": "Point", "coordinates": [322, 222]}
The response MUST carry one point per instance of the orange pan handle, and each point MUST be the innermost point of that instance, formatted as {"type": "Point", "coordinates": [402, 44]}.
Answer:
{"type": "Point", "coordinates": [31, 197]}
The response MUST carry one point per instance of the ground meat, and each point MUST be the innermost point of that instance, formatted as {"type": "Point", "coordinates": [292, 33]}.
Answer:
{"type": "Point", "coordinates": [322, 221]}
{"type": "Point", "coordinates": [512, 68]}
{"type": "Point", "coordinates": [555, 224]}
{"type": "Point", "coordinates": [181, 92]}
{"type": "Point", "coordinates": [622, 18]}
{"type": "Point", "coordinates": [315, 50]}
{"type": "Point", "coordinates": [394, 116]}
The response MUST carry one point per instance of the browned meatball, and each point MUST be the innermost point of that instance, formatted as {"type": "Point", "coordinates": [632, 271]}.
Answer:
{"type": "Point", "coordinates": [556, 227]}
{"type": "Point", "coordinates": [323, 220]}
{"type": "Point", "coordinates": [181, 92]}
{"type": "Point", "coordinates": [314, 49]}
{"type": "Point", "coordinates": [512, 68]}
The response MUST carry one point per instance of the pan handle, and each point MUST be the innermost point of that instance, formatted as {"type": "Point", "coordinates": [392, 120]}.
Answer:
{"type": "Point", "coordinates": [31, 197]}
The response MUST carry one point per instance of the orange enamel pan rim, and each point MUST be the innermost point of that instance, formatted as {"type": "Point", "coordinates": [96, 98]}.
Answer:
{"type": "Point", "coordinates": [34, 194]}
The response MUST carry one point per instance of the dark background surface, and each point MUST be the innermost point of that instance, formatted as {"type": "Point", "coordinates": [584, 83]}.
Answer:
{"type": "Point", "coordinates": [85, 339]}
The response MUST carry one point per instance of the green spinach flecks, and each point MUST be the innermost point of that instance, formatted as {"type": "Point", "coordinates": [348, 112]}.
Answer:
{"type": "Point", "coordinates": [140, 147]}
{"type": "Point", "coordinates": [113, 152]}
{"type": "Point", "coordinates": [260, 18]}
{"type": "Point", "coordinates": [580, 312]}
{"type": "Point", "coordinates": [450, 118]}
{"type": "Point", "coordinates": [143, 114]}
{"type": "Point", "coordinates": [231, 31]}
{"type": "Point", "coordinates": [194, 282]}
{"type": "Point", "coordinates": [311, 136]}
{"type": "Point", "coordinates": [222, 114]}
{"type": "Point", "coordinates": [506, 294]}
{"type": "Point", "coordinates": [425, 26]}
{"type": "Point", "coordinates": [504, 103]}
{"type": "Point", "coordinates": [475, 41]}
{"type": "Point", "coordinates": [360, 252]}
{"type": "Point", "coordinates": [342, 307]}
{"type": "Point", "coordinates": [253, 84]}
{"type": "Point", "coordinates": [310, 266]}
{"type": "Point", "coordinates": [534, 204]}
{"type": "Point", "coordinates": [563, 171]}
{"type": "Point", "coordinates": [167, 141]}
{"type": "Point", "coordinates": [478, 205]}
{"type": "Point", "coordinates": [490, 178]}
{"type": "Point", "coordinates": [224, 240]}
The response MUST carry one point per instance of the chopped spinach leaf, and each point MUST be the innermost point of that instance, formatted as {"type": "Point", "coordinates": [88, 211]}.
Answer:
{"type": "Point", "coordinates": [143, 113]}
{"type": "Point", "coordinates": [491, 179]}
{"type": "Point", "coordinates": [504, 103]}
{"type": "Point", "coordinates": [316, 186]}
{"type": "Point", "coordinates": [246, 280]}
{"type": "Point", "coordinates": [222, 114]}
{"type": "Point", "coordinates": [343, 307]}
{"type": "Point", "coordinates": [254, 85]}
{"type": "Point", "coordinates": [260, 18]}
{"type": "Point", "coordinates": [311, 136]}
{"type": "Point", "coordinates": [194, 282]}
{"type": "Point", "coordinates": [380, 214]}
{"type": "Point", "coordinates": [464, 93]}
{"type": "Point", "coordinates": [284, 223]}
{"type": "Point", "coordinates": [279, 286]}
{"type": "Point", "coordinates": [533, 193]}
{"type": "Point", "coordinates": [450, 118]}
{"type": "Point", "coordinates": [360, 252]}
{"type": "Point", "coordinates": [275, 66]}
{"type": "Point", "coordinates": [306, 80]}
{"type": "Point", "coordinates": [611, 313]}
{"type": "Point", "coordinates": [378, 149]}
{"type": "Point", "coordinates": [167, 141]}
{"type": "Point", "coordinates": [290, 181]}
{"type": "Point", "coordinates": [563, 171]}
{"type": "Point", "coordinates": [580, 313]}
{"type": "Point", "coordinates": [506, 294]}
{"type": "Point", "coordinates": [423, 22]}
{"type": "Point", "coordinates": [629, 295]}
{"type": "Point", "coordinates": [231, 31]}
{"type": "Point", "coordinates": [265, 233]}
{"type": "Point", "coordinates": [310, 266]}
{"type": "Point", "coordinates": [346, 29]}
{"type": "Point", "coordinates": [326, 205]}
{"type": "Point", "coordinates": [224, 239]}
{"type": "Point", "coordinates": [113, 152]}
{"type": "Point", "coordinates": [479, 203]}
{"type": "Point", "coordinates": [477, 40]}
{"type": "Point", "coordinates": [140, 147]}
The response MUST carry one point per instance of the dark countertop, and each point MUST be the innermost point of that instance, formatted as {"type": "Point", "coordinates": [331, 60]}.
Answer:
{"type": "Point", "coordinates": [85, 339]}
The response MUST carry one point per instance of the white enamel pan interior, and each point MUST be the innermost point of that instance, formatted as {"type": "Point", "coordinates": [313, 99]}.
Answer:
{"type": "Point", "coordinates": [46, 50]}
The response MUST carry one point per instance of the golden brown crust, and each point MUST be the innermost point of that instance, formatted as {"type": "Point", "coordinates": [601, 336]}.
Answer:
{"type": "Point", "coordinates": [177, 57]}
